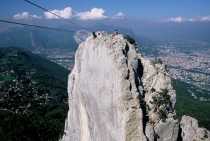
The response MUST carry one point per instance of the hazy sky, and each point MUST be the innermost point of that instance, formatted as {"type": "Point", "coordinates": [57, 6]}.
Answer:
{"type": "Point", "coordinates": [150, 18]}
{"type": "Point", "coordinates": [148, 9]}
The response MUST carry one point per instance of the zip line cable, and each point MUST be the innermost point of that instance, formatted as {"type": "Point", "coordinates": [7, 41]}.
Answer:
{"type": "Point", "coordinates": [47, 10]}
{"type": "Point", "coordinates": [42, 8]}
{"type": "Point", "coordinates": [37, 26]}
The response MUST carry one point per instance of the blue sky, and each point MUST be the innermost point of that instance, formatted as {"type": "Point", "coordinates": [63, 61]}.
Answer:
{"type": "Point", "coordinates": [143, 9]}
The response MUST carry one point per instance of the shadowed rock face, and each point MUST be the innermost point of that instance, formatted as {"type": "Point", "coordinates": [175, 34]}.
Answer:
{"type": "Point", "coordinates": [117, 95]}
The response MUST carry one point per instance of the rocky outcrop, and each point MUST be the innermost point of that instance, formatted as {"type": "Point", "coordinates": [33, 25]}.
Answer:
{"type": "Point", "coordinates": [191, 131]}
{"type": "Point", "coordinates": [81, 36]}
{"type": "Point", "coordinates": [160, 99]}
{"type": "Point", "coordinates": [117, 95]}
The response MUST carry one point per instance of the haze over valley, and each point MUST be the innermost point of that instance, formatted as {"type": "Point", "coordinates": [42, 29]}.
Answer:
{"type": "Point", "coordinates": [155, 56]}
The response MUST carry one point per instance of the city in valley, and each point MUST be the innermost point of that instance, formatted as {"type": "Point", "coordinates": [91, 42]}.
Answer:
{"type": "Point", "coordinates": [188, 61]}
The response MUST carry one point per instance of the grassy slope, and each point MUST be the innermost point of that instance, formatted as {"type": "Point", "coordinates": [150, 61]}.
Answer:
{"type": "Point", "coordinates": [187, 105]}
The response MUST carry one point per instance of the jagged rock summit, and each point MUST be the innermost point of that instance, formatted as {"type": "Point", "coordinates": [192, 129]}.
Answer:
{"type": "Point", "coordinates": [117, 95]}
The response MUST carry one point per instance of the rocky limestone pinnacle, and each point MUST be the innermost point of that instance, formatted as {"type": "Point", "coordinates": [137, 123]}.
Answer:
{"type": "Point", "coordinates": [117, 95]}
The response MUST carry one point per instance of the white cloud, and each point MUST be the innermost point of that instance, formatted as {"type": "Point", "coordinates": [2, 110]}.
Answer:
{"type": "Point", "coordinates": [119, 15]}
{"type": "Point", "coordinates": [180, 19]}
{"type": "Point", "coordinates": [69, 13]}
{"type": "Point", "coordinates": [93, 14]}
{"type": "Point", "coordinates": [25, 15]}
{"type": "Point", "coordinates": [205, 18]}
{"type": "Point", "coordinates": [65, 13]}
{"type": "Point", "coordinates": [192, 19]}
{"type": "Point", "coordinates": [176, 19]}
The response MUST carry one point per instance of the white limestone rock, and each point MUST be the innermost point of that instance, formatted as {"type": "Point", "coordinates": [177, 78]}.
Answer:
{"type": "Point", "coordinates": [167, 130]}
{"type": "Point", "coordinates": [81, 35]}
{"type": "Point", "coordinates": [160, 98]}
{"type": "Point", "coordinates": [191, 130]}
{"type": "Point", "coordinates": [102, 104]}
{"type": "Point", "coordinates": [117, 95]}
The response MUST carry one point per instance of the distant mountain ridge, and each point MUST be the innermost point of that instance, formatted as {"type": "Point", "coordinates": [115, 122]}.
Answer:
{"type": "Point", "coordinates": [41, 38]}
{"type": "Point", "coordinates": [144, 31]}
{"type": "Point", "coordinates": [36, 38]}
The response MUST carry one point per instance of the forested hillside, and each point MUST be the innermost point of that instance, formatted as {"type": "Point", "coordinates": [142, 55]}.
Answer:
{"type": "Point", "coordinates": [33, 97]}
{"type": "Point", "coordinates": [187, 105]}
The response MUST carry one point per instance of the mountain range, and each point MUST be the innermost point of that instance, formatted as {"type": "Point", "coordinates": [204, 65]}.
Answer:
{"type": "Point", "coordinates": [142, 31]}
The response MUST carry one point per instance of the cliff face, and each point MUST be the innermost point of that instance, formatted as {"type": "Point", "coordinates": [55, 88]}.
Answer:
{"type": "Point", "coordinates": [117, 95]}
